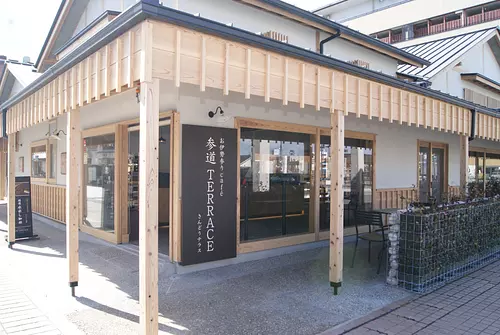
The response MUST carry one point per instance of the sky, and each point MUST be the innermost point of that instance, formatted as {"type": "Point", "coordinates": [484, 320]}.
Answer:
{"type": "Point", "coordinates": [24, 24]}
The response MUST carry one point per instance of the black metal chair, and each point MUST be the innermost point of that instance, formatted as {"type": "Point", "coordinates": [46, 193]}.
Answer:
{"type": "Point", "coordinates": [375, 234]}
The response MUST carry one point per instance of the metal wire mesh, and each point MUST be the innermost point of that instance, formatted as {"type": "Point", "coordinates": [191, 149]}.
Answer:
{"type": "Point", "coordinates": [438, 247]}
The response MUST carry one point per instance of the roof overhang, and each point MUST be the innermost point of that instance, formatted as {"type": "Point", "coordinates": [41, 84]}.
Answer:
{"type": "Point", "coordinates": [482, 80]}
{"type": "Point", "coordinates": [312, 20]}
{"type": "Point", "coordinates": [149, 9]}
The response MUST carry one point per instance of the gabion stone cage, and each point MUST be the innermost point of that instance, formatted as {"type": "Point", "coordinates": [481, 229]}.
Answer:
{"type": "Point", "coordinates": [434, 248]}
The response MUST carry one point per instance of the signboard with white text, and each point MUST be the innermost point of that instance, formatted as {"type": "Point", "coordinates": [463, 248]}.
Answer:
{"type": "Point", "coordinates": [209, 158]}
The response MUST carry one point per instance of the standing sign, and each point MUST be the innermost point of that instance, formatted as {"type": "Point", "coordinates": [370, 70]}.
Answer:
{"type": "Point", "coordinates": [24, 220]}
{"type": "Point", "coordinates": [208, 194]}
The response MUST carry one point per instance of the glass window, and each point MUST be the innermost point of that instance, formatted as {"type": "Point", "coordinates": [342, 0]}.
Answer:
{"type": "Point", "coordinates": [39, 161]}
{"type": "Point", "coordinates": [275, 175]}
{"type": "Point", "coordinates": [99, 167]}
{"type": "Point", "coordinates": [492, 167]}
{"type": "Point", "coordinates": [358, 179]}
{"type": "Point", "coordinates": [53, 160]}
{"type": "Point", "coordinates": [475, 175]}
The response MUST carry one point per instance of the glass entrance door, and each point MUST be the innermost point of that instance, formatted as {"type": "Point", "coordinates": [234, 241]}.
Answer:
{"type": "Point", "coordinates": [164, 170]}
{"type": "Point", "coordinates": [432, 166]}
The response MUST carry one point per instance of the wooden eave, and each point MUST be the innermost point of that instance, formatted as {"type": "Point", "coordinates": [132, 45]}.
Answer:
{"type": "Point", "coordinates": [482, 81]}
{"type": "Point", "coordinates": [232, 62]}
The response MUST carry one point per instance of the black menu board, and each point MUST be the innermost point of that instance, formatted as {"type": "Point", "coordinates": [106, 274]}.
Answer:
{"type": "Point", "coordinates": [24, 219]}
{"type": "Point", "coordinates": [208, 194]}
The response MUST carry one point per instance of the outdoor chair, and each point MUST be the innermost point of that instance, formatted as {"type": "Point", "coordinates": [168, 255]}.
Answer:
{"type": "Point", "coordinates": [375, 234]}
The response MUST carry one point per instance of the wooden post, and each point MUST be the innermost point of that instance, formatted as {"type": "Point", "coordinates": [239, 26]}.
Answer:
{"type": "Point", "coordinates": [464, 162]}
{"type": "Point", "coordinates": [74, 147]}
{"type": "Point", "coordinates": [148, 206]}
{"type": "Point", "coordinates": [336, 199]}
{"type": "Point", "coordinates": [11, 151]}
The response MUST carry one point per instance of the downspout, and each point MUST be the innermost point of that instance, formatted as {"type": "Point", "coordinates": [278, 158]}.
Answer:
{"type": "Point", "coordinates": [328, 39]}
{"type": "Point", "coordinates": [472, 125]}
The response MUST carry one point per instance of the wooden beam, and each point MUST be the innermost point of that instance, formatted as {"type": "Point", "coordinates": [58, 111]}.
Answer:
{"type": "Point", "coordinates": [130, 61]}
{"type": "Point", "coordinates": [391, 108]}
{"type": "Point", "coordinates": [380, 103]}
{"type": "Point", "coordinates": [11, 205]}
{"type": "Point", "coordinates": [332, 92]}
{"type": "Point", "coordinates": [302, 85]}
{"type": "Point", "coordinates": [370, 97]}
{"type": "Point", "coordinates": [107, 71]}
{"type": "Point", "coordinates": [336, 199]}
{"type": "Point", "coordinates": [148, 206]}
{"type": "Point", "coordinates": [285, 82]}
{"type": "Point", "coordinates": [401, 108]}
{"type": "Point", "coordinates": [73, 88]}
{"type": "Point", "coordinates": [119, 56]}
{"type": "Point", "coordinates": [227, 55]}
{"type": "Point", "coordinates": [73, 190]}
{"type": "Point", "coordinates": [98, 75]}
{"type": "Point", "coordinates": [346, 94]}
{"type": "Point", "coordinates": [464, 162]}
{"type": "Point", "coordinates": [178, 58]}
{"type": "Point", "coordinates": [358, 99]}
{"type": "Point", "coordinates": [59, 94]}
{"type": "Point", "coordinates": [447, 117]}
{"type": "Point", "coordinates": [203, 65]}
{"type": "Point", "coordinates": [267, 92]}
{"type": "Point", "coordinates": [80, 84]}
{"type": "Point", "coordinates": [417, 110]}
{"type": "Point", "coordinates": [318, 88]}
{"type": "Point", "coordinates": [89, 80]}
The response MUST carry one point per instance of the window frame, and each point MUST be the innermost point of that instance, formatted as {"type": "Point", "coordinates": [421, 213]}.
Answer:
{"type": "Point", "coordinates": [48, 161]}
{"type": "Point", "coordinates": [484, 152]}
{"type": "Point", "coordinates": [265, 244]}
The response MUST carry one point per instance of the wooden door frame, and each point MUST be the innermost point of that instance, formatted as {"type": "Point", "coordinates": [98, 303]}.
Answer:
{"type": "Point", "coordinates": [431, 145]}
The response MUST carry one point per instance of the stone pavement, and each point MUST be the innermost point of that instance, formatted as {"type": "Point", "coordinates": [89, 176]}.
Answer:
{"type": "Point", "coordinates": [18, 314]}
{"type": "Point", "coordinates": [470, 305]}
{"type": "Point", "coordinates": [287, 294]}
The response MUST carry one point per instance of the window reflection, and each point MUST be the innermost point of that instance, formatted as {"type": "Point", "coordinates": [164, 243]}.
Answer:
{"type": "Point", "coordinates": [275, 175]}
{"type": "Point", "coordinates": [99, 167]}
{"type": "Point", "coordinates": [39, 161]}
{"type": "Point", "coordinates": [358, 178]}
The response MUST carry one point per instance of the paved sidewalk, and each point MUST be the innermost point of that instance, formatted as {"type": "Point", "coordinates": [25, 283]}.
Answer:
{"type": "Point", "coordinates": [18, 314]}
{"type": "Point", "coordinates": [287, 294]}
{"type": "Point", "coordinates": [469, 306]}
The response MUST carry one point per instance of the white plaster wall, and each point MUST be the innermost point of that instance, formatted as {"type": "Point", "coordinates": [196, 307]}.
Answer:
{"type": "Point", "coordinates": [16, 88]}
{"type": "Point", "coordinates": [345, 11]}
{"type": "Point", "coordinates": [347, 51]}
{"type": "Point", "coordinates": [250, 19]}
{"type": "Point", "coordinates": [479, 59]}
{"type": "Point", "coordinates": [97, 7]}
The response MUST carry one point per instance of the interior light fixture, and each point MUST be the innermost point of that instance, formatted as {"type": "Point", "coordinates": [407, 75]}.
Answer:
{"type": "Point", "coordinates": [162, 140]}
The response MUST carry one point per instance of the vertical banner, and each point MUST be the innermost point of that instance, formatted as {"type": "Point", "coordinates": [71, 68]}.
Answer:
{"type": "Point", "coordinates": [208, 194]}
{"type": "Point", "coordinates": [24, 219]}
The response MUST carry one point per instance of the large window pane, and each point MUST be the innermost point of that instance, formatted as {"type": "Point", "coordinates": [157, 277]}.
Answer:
{"type": "Point", "coordinates": [99, 167]}
{"type": "Point", "coordinates": [39, 161]}
{"type": "Point", "coordinates": [358, 179]}
{"type": "Point", "coordinates": [275, 174]}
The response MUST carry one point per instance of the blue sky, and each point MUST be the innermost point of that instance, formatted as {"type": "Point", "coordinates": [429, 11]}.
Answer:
{"type": "Point", "coordinates": [24, 24]}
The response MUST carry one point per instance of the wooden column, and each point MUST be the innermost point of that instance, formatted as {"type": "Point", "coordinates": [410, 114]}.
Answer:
{"type": "Point", "coordinates": [11, 207]}
{"type": "Point", "coordinates": [336, 199]}
{"type": "Point", "coordinates": [73, 211]}
{"type": "Point", "coordinates": [464, 162]}
{"type": "Point", "coordinates": [148, 206]}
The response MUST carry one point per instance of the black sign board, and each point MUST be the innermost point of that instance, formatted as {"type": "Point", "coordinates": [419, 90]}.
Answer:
{"type": "Point", "coordinates": [209, 158]}
{"type": "Point", "coordinates": [24, 219]}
